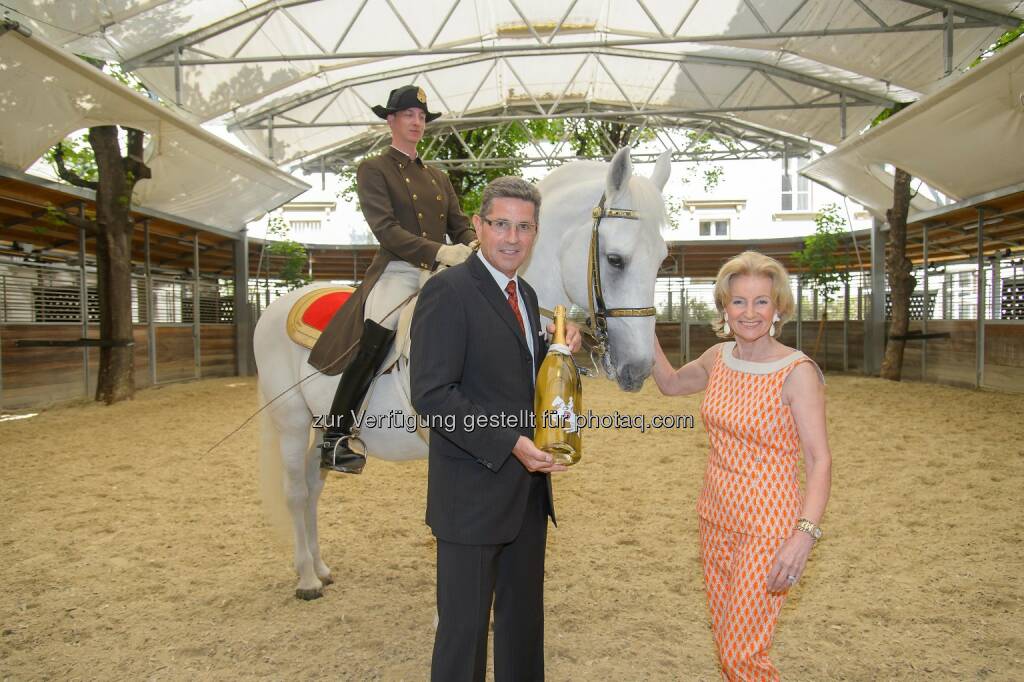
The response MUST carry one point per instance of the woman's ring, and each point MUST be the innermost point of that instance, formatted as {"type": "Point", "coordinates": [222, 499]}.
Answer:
{"type": "Point", "coordinates": [791, 579]}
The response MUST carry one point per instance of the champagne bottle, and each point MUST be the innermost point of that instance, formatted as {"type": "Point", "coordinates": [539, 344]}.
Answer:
{"type": "Point", "coordinates": [557, 401]}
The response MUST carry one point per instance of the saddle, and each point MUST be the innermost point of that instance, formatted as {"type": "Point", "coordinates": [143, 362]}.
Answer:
{"type": "Point", "coordinates": [310, 314]}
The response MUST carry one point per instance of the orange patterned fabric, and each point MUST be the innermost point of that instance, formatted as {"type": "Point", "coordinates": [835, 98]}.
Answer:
{"type": "Point", "coordinates": [743, 612]}
{"type": "Point", "coordinates": [750, 484]}
{"type": "Point", "coordinates": [748, 506]}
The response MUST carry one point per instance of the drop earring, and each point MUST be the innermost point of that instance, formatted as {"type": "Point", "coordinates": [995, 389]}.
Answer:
{"type": "Point", "coordinates": [725, 325]}
{"type": "Point", "coordinates": [771, 330]}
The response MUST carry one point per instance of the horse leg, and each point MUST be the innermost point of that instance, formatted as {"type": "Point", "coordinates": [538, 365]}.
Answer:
{"type": "Point", "coordinates": [294, 454]}
{"type": "Point", "coordinates": [315, 485]}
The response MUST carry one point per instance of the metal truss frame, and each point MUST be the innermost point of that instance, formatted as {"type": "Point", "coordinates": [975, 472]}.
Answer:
{"type": "Point", "coordinates": [942, 16]}
{"type": "Point", "coordinates": [714, 139]}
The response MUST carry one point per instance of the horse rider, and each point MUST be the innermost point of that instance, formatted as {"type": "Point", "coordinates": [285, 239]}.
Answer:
{"type": "Point", "coordinates": [410, 207]}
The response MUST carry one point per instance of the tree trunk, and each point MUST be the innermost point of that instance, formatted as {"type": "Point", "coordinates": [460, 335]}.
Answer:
{"type": "Point", "coordinates": [901, 282]}
{"type": "Point", "coordinates": [821, 332]}
{"type": "Point", "coordinates": [117, 178]}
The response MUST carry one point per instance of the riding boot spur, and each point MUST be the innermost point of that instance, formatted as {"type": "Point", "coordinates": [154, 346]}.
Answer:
{"type": "Point", "coordinates": [336, 451]}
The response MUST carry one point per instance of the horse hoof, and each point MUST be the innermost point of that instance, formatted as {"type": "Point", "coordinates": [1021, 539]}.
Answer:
{"type": "Point", "coordinates": [308, 595]}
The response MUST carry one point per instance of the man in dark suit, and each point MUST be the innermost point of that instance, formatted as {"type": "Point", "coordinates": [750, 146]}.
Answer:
{"type": "Point", "coordinates": [476, 348]}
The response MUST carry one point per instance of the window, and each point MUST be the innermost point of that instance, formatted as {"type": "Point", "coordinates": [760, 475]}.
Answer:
{"type": "Point", "coordinates": [714, 228]}
{"type": "Point", "coordinates": [796, 189]}
{"type": "Point", "coordinates": [305, 225]}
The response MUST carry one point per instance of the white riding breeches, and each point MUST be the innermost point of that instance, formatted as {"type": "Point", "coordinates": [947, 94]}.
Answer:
{"type": "Point", "coordinates": [399, 281]}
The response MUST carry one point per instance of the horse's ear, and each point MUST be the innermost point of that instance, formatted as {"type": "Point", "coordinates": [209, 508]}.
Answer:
{"type": "Point", "coordinates": [619, 173]}
{"type": "Point", "coordinates": [662, 169]}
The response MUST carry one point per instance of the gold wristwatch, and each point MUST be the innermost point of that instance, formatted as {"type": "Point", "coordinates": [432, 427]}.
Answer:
{"type": "Point", "coordinates": [807, 527]}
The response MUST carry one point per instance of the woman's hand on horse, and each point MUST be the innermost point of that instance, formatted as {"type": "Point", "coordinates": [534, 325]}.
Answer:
{"type": "Point", "coordinates": [573, 338]}
{"type": "Point", "coordinates": [533, 458]}
{"type": "Point", "coordinates": [453, 254]}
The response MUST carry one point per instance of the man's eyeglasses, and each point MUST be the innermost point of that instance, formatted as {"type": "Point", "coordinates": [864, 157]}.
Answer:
{"type": "Point", "coordinates": [502, 226]}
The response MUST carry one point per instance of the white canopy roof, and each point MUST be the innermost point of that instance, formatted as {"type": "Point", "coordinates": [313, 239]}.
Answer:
{"type": "Point", "coordinates": [48, 93]}
{"type": "Point", "coordinates": [963, 140]}
{"type": "Point", "coordinates": [295, 78]}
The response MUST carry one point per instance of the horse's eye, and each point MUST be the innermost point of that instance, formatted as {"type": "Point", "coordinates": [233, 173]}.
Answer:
{"type": "Point", "coordinates": [615, 260]}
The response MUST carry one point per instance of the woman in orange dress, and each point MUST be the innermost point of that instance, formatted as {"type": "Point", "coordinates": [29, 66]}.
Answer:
{"type": "Point", "coordinates": [764, 404]}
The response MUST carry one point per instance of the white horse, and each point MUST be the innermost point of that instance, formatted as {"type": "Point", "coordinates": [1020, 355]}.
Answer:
{"type": "Point", "coordinates": [631, 251]}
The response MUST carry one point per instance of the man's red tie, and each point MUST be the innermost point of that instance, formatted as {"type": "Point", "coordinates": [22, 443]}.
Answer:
{"type": "Point", "coordinates": [513, 301]}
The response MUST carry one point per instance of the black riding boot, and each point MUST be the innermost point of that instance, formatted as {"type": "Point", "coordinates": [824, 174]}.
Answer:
{"type": "Point", "coordinates": [336, 453]}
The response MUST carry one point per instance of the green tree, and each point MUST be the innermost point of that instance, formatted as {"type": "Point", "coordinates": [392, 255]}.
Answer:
{"type": "Point", "coordinates": [286, 259]}
{"type": "Point", "coordinates": [588, 138]}
{"type": "Point", "coordinates": [1004, 40]}
{"type": "Point", "coordinates": [822, 261]}
{"type": "Point", "coordinates": [111, 165]}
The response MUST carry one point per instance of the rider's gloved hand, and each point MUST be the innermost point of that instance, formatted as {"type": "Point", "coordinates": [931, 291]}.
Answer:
{"type": "Point", "coordinates": [453, 254]}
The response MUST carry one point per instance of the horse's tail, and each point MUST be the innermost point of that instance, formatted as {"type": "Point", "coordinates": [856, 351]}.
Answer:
{"type": "Point", "coordinates": [272, 476]}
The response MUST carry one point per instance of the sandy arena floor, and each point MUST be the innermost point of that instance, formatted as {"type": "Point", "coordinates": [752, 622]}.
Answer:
{"type": "Point", "coordinates": [127, 554]}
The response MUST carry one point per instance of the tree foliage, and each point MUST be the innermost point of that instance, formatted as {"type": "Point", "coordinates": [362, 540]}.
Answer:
{"type": "Point", "coordinates": [588, 138]}
{"type": "Point", "coordinates": [1004, 40]}
{"type": "Point", "coordinates": [822, 260]}
{"type": "Point", "coordinates": [287, 259]}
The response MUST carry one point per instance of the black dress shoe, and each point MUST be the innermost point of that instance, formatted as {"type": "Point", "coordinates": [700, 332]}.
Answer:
{"type": "Point", "coordinates": [336, 455]}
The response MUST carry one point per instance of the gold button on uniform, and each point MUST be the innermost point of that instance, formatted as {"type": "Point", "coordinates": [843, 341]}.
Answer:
{"type": "Point", "coordinates": [414, 197]}
{"type": "Point", "coordinates": [407, 179]}
{"type": "Point", "coordinates": [424, 234]}
{"type": "Point", "coordinates": [419, 215]}
{"type": "Point", "coordinates": [438, 197]}
{"type": "Point", "coordinates": [442, 216]}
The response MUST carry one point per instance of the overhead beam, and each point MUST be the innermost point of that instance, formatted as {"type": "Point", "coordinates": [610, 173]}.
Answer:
{"type": "Point", "coordinates": [215, 29]}
{"type": "Point", "coordinates": [968, 11]}
{"type": "Point", "coordinates": [855, 94]}
{"type": "Point", "coordinates": [474, 45]}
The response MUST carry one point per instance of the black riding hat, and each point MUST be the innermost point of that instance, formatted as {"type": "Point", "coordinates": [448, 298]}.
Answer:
{"type": "Point", "coordinates": [405, 97]}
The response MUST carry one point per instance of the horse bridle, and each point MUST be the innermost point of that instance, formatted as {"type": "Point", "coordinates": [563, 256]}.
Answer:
{"type": "Point", "coordinates": [597, 319]}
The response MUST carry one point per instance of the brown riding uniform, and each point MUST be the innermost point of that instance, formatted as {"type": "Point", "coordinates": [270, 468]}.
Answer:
{"type": "Point", "coordinates": [410, 207]}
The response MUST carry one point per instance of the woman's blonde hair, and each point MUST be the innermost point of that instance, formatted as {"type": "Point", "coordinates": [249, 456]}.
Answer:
{"type": "Point", "coordinates": [757, 265]}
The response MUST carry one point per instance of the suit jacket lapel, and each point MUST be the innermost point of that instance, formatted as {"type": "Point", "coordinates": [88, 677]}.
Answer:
{"type": "Point", "coordinates": [533, 312]}
{"type": "Point", "coordinates": [496, 297]}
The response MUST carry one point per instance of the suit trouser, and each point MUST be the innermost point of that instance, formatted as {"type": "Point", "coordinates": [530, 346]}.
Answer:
{"type": "Point", "coordinates": [743, 611]}
{"type": "Point", "coordinates": [468, 577]}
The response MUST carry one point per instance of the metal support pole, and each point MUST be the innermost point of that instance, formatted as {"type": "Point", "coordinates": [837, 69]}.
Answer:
{"type": "Point", "coordinates": [979, 338]}
{"type": "Point", "coordinates": [684, 329]}
{"type": "Point", "coordinates": [947, 43]}
{"type": "Point", "coordinates": [995, 305]}
{"type": "Point", "coordinates": [83, 297]}
{"type": "Point", "coordinates": [270, 138]}
{"type": "Point", "coordinates": [150, 305]}
{"type": "Point", "coordinates": [243, 317]}
{"type": "Point", "coordinates": [846, 325]}
{"type": "Point", "coordinates": [875, 349]}
{"type": "Point", "coordinates": [196, 305]}
{"type": "Point", "coordinates": [947, 296]}
{"type": "Point", "coordinates": [177, 76]}
{"type": "Point", "coordinates": [799, 312]}
{"type": "Point", "coordinates": [924, 311]}
{"type": "Point", "coordinates": [842, 116]}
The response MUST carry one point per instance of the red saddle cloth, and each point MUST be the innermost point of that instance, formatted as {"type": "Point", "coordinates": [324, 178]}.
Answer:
{"type": "Point", "coordinates": [323, 307]}
{"type": "Point", "coordinates": [310, 315]}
